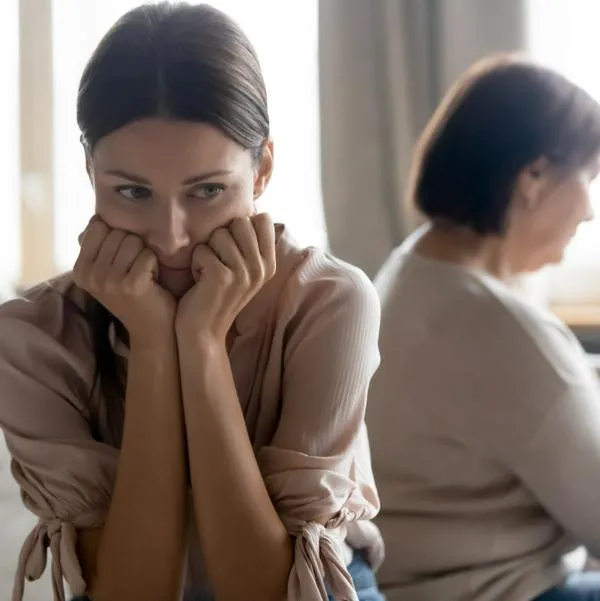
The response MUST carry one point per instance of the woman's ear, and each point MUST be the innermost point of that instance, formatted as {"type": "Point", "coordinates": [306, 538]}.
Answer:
{"type": "Point", "coordinates": [532, 184]}
{"type": "Point", "coordinates": [264, 169]}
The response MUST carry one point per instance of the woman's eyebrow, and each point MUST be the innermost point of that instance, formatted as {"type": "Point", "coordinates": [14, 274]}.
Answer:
{"type": "Point", "coordinates": [190, 180]}
{"type": "Point", "coordinates": [130, 176]}
{"type": "Point", "coordinates": [199, 178]}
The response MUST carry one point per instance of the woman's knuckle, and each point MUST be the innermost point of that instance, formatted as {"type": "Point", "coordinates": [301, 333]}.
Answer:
{"type": "Point", "coordinates": [219, 233]}
{"type": "Point", "coordinates": [270, 268]}
{"type": "Point", "coordinates": [133, 243]}
{"type": "Point", "coordinates": [224, 275]}
{"type": "Point", "coordinates": [256, 273]}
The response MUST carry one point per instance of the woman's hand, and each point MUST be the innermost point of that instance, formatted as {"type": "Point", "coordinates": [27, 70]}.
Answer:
{"type": "Point", "coordinates": [235, 264]}
{"type": "Point", "coordinates": [119, 271]}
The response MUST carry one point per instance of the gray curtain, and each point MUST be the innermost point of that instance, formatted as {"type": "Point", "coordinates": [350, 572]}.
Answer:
{"type": "Point", "coordinates": [384, 65]}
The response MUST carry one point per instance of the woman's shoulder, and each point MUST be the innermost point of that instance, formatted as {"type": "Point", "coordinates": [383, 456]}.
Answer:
{"type": "Point", "coordinates": [436, 290]}
{"type": "Point", "coordinates": [442, 304]}
{"type": "Point", "coordinates": [518, 331]}
{"type": "Point", "coordinates": [529, 325]}
{"type": "Point", "coordinates": [318, 277]}
{"type": "Point", "coordinates": [46, 318]}
{"type": "Point", "coordinates": [45, 305]}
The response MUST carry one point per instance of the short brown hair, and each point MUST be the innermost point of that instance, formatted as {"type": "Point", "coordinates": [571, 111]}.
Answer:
{"type": "Point", "coordinates": [501, 116]}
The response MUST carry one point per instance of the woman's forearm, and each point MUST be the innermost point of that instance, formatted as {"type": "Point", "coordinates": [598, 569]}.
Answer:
{"type": "Point", "coordinates": [142, 546]}
{"type": "Point", "coordinates": [247, 550]}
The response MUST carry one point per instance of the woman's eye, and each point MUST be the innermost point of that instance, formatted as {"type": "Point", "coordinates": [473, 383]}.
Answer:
{"type": "Point", "coordinates": [208, 191]}
{"type": "Point", "coordinates": [134, 192]}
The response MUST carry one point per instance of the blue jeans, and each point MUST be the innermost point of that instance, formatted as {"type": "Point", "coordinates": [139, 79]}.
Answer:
{"type": "Point", "coordinates": [364, 581]}
{"type": "Point", "coordinates": [579, 586]}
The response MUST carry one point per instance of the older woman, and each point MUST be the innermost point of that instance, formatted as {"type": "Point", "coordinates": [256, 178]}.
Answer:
{"type": "Point", "coordinates": [484, 417]}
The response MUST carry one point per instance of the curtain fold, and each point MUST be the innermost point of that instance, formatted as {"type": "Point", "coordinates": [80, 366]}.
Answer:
{"type": "Point", "coordinates": [384, 66]}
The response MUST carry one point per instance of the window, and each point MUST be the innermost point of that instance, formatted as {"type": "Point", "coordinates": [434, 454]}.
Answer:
{"type": "Point", "coordinates": [564, 35]}
{"type": "Point", "coordinates": [9, 143]}
{"type": "Point", "coordinates": [290, 63]}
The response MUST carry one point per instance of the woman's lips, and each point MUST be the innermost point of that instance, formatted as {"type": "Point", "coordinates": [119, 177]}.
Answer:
{"type": "Point", "coordinates": [177, 280]}
{"type": "Point", "coordinates": [173, 269]}
{"type": "Point", "coordinates": [170, 274]}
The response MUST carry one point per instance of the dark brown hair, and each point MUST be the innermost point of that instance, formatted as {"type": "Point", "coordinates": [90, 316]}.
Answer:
{"type": "Point", "coordinates": [500, 117]}
{"type": "Point", "coordinates": [175, 61]}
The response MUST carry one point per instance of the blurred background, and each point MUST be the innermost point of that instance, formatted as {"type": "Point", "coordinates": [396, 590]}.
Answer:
{"type": "Point", "coordinates": [351, 84]}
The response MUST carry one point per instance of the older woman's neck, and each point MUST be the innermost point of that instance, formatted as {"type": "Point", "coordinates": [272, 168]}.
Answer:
{"type": "Point", "coordinates": [462, 246]}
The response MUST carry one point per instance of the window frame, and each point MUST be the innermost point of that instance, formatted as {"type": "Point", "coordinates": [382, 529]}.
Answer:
{"type": "Point", "coordinates": [36, 171]}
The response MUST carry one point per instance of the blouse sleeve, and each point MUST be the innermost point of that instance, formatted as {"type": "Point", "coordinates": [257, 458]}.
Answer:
{"type": "Point", "coordinates": [64, 475]}
{"type": "Point", "coordinates": [317, 468]}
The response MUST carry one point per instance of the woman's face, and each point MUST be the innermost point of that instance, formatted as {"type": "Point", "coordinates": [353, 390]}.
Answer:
{"type": "Point", "coordinates": [173, 183]}
{"type": "Point", "coordinates": [547, 209]}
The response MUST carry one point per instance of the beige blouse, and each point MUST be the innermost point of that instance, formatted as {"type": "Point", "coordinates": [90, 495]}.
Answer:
{"type": "Point", "coordinates": [485, 427]}
{"type": "Point", "coordinates": [305, 351]}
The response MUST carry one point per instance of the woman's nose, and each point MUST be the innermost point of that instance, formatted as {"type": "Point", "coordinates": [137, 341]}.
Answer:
{"type": "Point", "coordinates": [170, 234]}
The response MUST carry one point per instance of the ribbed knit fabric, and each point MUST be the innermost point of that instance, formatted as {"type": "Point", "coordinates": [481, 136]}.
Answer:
{"type": "Point", "coordinates": [303, 356]}
{"type": "Point", "coordinates": [484, 421]}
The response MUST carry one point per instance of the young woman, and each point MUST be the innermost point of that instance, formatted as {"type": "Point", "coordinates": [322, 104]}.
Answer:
{"type": "Point", "coordinates": [485, 417]}
{"type": "Point", "coordinates": [185, 410]}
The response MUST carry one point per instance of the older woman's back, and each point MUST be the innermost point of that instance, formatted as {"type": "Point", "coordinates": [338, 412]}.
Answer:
{"type": "Point", "coordinates": [484, 416]}
{"type": "Point", "coordinates": [485, 431]}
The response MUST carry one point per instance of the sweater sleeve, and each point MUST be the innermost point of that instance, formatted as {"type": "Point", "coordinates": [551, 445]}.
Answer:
{"type": "Point", "coordinates": [64, 475]}
{"type": "Point", "coordinates": [317, 468]}
{"type": "Point", "coordinates": [547, 430]}
{"type": "Point", "coordinates": [561, 464]}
